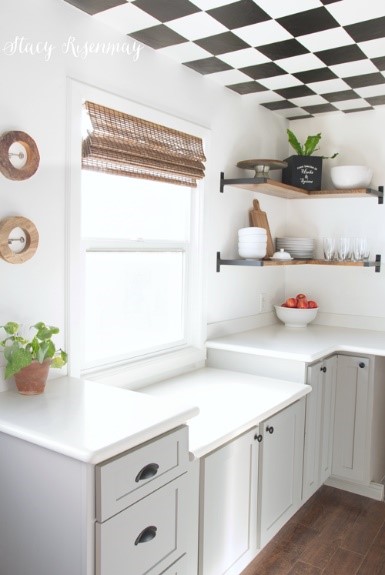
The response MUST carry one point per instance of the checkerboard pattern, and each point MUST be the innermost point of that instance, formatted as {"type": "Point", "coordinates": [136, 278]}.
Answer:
{"type": "Point", "coordinates": [297, 58]}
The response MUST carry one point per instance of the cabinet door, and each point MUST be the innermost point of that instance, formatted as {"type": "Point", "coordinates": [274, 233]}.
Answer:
{"type": "Point", "coordinates": [228, 506]}
{"type": "Point", "coordinates": [281, 462]}
{"type": "Point", "coordinates": [319, 425]}
{"type": "Point", "coordinates": [351, 421]}
{"type": "Point", "coordinates": [312, 448]}
{"type": "Point", "coordinates": [328, 395]}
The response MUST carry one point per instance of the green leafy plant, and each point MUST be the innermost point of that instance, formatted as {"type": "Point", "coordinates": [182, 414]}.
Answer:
{"type": "Point", "coordinates": [20, 352]}
{"type": "Point", "coordinates": [309, 147]}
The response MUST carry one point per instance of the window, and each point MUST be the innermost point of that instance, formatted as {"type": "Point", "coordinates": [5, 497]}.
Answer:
{"type": "Point", "coordinates": [136, 243]}
{"type": "Point", "coordinates": [136, 284]}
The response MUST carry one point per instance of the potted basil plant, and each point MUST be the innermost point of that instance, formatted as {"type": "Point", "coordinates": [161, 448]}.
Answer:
{"type": "Point", "coordinates": [304, 170]}
{"type": "Point", "coordinates": [28, 360]}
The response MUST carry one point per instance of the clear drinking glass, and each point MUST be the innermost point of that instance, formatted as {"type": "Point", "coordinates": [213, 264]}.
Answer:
{"type": "Point", "coordinates": [329, 248]}
{"type": "Point", "coordinates": [360, 249]}
{"type": "Point", "coordinates": [343, 249]}
{"type": "Point", "coordinates": [365, 250]}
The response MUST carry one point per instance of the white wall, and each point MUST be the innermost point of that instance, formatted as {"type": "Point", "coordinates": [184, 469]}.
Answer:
{"type": "Point", "coordinates": [33, 99]}
{"type": "Point", "coordinates": [346, 296]}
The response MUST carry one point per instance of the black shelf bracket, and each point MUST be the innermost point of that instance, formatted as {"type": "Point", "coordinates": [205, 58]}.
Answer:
{"type": "Point", "coordinates": [376, 264]}
{"type": "Point", "coordinates": [235, 181]}
{"type": "Point", "coordinates": [379, 193]}
{"type": "Point", "coordinates": [253, 263]}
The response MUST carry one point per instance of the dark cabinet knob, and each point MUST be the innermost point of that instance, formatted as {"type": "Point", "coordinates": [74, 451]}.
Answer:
{"type": "Point", "coordinates": [146, 535]}
{"type": "Point", "coordinates": [147, 472]}
{"type": "Point", "coordinates": [361, 364]}
{"type": "Point", "coordinates": [324, 369]}
{"type": "Point", "coordinates": [270, 429]}
{"type": "Point", "coordinates": [258, 437]}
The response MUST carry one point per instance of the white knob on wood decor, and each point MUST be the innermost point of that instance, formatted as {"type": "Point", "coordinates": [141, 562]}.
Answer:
{"type": "Point", "coordinates": [30, 244]}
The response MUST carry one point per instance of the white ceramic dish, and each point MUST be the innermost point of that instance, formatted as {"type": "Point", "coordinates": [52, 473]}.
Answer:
{"type": "Point", "coordinates": [281, 255]}
{"type": "Point", "coordinates": [289, 239]}
{"type": "Point", "coordinates": [294, 317]}
{"type": "Point", "coordinates": [252, 252]}
{"type": "Point", "coordinates": [252, 242]}
{"type": "Point", "coordinates": [345, 177]}
{"type": "Point", "coordinates": [296, 244]}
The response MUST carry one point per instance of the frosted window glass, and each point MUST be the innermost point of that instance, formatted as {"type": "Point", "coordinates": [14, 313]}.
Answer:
{"type": "Point", "coordinates": [118, 207]}
{"type": "Point", "coordinates": [134, 302]}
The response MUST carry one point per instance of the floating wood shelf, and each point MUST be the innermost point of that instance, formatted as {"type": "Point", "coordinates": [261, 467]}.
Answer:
{"type": "Point", "coordinates": [264, 263]}
{"type": "Point", "coordinates": [274, 188]}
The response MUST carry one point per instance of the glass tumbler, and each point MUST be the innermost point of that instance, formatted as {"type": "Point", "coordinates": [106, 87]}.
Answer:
{"type": "Point", "coordinates": [357, 250]}
{"type": "Point", "coordinates": [329, 248]}
{"type": "Point", "coordinates": [343, 249]}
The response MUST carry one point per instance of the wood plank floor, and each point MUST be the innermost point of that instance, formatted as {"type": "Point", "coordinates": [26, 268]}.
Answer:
{"type": "Point", "coordinates": [334, 533]}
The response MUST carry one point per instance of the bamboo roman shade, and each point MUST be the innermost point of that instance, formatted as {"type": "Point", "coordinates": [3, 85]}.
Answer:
{"type": "Point", "coordinates": [128, 146]}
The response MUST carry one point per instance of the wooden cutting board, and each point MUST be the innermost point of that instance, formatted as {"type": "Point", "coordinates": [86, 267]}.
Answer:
{"type": "Point", "coordinates": [259, 219]}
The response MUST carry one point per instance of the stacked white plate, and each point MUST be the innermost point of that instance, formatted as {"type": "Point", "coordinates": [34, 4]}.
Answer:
{"type": "Point", "coordinates": [298, 248]}
{"type": "Point", "coordinates": [252, 243]}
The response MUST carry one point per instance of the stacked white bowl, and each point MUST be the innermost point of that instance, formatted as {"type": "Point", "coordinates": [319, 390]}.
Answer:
{"type": "Point", "coordinates": [252, 243]}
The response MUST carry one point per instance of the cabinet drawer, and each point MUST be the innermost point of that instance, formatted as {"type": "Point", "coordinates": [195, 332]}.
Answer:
{"type": "Point", "coordinates": [145, 538]}
{"type": "Point", "coordinates": [125, 479]}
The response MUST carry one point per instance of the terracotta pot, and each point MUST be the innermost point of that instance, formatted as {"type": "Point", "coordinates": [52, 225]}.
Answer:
{"type": "Point", "coordinates": [31, 380]}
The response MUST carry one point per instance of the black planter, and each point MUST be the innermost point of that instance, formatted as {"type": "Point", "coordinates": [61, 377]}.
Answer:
{"type": "Point", "coordinates": [303, 172]}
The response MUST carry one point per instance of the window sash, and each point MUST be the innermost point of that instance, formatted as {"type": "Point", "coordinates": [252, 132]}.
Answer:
{"type": "Point", "coordinates": [97, 245]}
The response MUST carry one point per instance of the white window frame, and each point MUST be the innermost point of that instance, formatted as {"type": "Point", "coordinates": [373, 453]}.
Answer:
{"type": "Point", "coordinates": [190, 353]}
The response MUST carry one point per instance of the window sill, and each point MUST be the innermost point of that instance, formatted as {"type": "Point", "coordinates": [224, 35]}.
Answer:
{"type": "Point", "coordinates": [141, 373]}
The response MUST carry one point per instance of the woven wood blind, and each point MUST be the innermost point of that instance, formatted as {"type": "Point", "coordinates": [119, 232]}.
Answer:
{"type": "Point", "coordinates": [129, 146]}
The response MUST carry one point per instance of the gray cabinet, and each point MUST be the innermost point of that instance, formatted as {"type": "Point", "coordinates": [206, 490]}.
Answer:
{"type": "Point", "coordinates": [145, 509]}
{"type": "Point", "coordinates": [281, 462]}
{"type": "Point", "coordinates": [320, 405]}
{"type": "Point", "coordinates": [351, 430]}
{"type": "Point", "coordinates": [359, 425]}
{"type": "Point", "coordinates": [136, 513]}
{"type": "Point", "coordinates": [228, 517]}
{"type": "Point", "coordinates": [249, 488]}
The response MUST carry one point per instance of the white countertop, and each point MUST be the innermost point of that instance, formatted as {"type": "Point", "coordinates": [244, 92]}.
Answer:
{"type": "Point", "coordinates": [88, 421]}
{"type": "Point", "coordinates": [302, 344]}
{"type": "Point", "coordinates": [229, 403]}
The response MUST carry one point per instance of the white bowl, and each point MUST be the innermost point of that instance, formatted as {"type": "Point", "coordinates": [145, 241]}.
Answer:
{"type": "Point", "coordinates": [255, 252]}
{"type": "Point", "coordinates": [345, 177]}
{"type": "Point", "coordinates": [252, 232]}
{"type": "Point", "coordinates": [252, 243]}
{"type": "Point", "coordinates": [295, 317]}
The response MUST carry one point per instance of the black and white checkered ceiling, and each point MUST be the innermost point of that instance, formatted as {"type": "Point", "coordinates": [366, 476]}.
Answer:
{"type": "Point", "coordinates": [298, 58]}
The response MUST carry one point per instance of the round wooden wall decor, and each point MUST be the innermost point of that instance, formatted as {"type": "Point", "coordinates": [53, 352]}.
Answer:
{"type": "Point", "coordinates": [27, 151]}
{"type": "Point", "coordinates": [30, 243]}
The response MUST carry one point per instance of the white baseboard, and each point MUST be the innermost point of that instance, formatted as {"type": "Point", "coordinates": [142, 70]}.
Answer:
{"type": "Point", "coordinates": [372, 490]}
